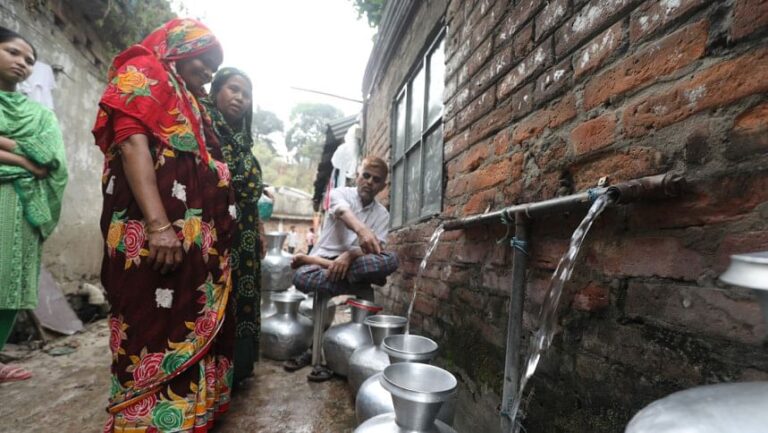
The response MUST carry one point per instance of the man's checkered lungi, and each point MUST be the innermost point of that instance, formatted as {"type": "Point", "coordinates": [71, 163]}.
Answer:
{"type": "Point", "coordinates": [367, 269]}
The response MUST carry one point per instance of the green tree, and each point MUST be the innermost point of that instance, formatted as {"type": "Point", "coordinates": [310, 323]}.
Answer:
{"type": "Point", "coordinates": [265, 122]}
{"type": "Point", "coordinates": [371, 9]}
{"type": "Point", "coordinates": [307, 132]}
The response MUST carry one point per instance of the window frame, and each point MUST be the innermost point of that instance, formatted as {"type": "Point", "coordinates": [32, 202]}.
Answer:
{"type": "Point", "coordinates": [436, 39]}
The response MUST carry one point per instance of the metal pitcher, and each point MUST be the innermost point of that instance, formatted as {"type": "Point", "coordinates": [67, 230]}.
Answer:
{"type": "Point", "coordinates": [341, 340]}
{"type": "Point", "coordinates": [418, 391]}
{"type": "Point", "coordinates": [286, 334]}
{"type": "Point", "coordinates": [276, 272]}
{"type": "Point", "coordinates": [371, 359]}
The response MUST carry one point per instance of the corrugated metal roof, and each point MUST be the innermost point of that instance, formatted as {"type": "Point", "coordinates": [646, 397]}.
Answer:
{"type": "Point", "coordinates": [338, 128]}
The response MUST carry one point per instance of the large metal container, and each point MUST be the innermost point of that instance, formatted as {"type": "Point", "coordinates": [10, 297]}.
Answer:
{"type": "Point", "coordinates": [306, 306]}
{"type": "Point", "coordinates": [371, 359]}
{"type": "Point", "coordinates": [372, 399]}
{"type": "Point", "coordinates": [721, 408]}
{"type": "Point", "coordinates": [276, 272]}
{"type": "Point", "coordinates": [286, 334]}
{"type": "Point", "coordinates": [341, 340]}
{"type": "Point", "coordinates": [418, 391]}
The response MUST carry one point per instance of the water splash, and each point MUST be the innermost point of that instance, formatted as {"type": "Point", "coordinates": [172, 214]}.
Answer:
{"type": "Point", "coordinates": [542, 339]}
{"type": "Point", "coordinates": [433, 241]}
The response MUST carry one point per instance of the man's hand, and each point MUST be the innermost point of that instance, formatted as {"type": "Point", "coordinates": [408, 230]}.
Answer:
{"type": "Point", "coordinates": [369, 243]}
{"type": "Point", "coordinates": [337, 270]}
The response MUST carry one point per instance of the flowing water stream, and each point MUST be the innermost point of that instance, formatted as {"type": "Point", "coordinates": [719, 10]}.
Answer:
{"type": "Point", "coordinates": [542, 339]}
{"type": "Point", "coordinates": [433, 241]}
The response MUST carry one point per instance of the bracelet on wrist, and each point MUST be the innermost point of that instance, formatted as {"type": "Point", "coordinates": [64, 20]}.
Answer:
{"type": "Point", "coordinates": [162, 228]}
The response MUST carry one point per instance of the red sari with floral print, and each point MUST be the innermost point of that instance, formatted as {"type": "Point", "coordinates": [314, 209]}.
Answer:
{"type": "Point", "coordinates": [171, 335]}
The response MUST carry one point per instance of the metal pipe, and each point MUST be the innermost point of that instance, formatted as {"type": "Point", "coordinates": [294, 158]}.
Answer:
{"type": "Point", "coordinates": [511, 386]}
{"type": "Point", "coordinates": [646, 188]}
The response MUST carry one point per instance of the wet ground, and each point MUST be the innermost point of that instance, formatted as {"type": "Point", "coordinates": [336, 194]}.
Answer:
{"type": "Point", "coordinates": [68, 393]}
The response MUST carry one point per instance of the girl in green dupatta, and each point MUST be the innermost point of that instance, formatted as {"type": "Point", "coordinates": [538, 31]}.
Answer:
{"type": "Point", "coordinates": [230, 105]}
{"type": "Point", "coordinates": [33, 174]}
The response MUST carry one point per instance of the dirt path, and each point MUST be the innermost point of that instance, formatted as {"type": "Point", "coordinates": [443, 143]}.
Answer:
{"type": "Point", "coordinates": [68, 394]}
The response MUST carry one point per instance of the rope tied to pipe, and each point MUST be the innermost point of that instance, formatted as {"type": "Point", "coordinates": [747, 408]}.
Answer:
{"type": "Point", "coordinates": [507, 220]}
{"type": "Point", "coordinates": [593, 194]}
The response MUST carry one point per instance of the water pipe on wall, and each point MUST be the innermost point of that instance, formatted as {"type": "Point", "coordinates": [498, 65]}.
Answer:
{"type": "Point", "coordinates": [646, 188]}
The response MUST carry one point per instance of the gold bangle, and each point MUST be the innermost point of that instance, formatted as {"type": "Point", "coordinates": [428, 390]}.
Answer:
{"type": "Point", "coordinates": [159, 229]}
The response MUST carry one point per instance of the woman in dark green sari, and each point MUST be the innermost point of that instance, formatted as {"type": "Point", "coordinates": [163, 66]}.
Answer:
{"type": "Point", "coordinates": [230, 105]}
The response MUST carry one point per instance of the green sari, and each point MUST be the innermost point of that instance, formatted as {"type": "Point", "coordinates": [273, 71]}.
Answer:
{"type": "Point", "coordinates": [245, 258]}
{"type": "Point", "coordinates": [29, 207]}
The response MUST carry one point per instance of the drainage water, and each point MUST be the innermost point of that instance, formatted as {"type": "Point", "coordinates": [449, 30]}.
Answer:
{"type": "Point", "coordinates": [433, 241]}
{"type": "Point", "coordinates": [542, 339]}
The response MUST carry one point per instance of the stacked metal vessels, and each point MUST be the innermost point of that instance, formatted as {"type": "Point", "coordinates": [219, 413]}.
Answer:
{"type": "Point", "coordinates": [340, 341]}
{"type": "Point", "coordinates": [286, 333]}
{"type": "Point", "coordinates": [276, 272]}
{"type": "Point", "coordinates": [371, 359]}
{"type": "Point", "coordinates": [418, 391]}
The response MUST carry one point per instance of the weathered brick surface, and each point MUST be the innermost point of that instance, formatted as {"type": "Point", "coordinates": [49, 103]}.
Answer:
{"type": "Point", "coordinates": [749, 135]}
{"type": "Point", "coordinates": [749, 16]}
{"type": "Point", "coordinates": [661, 58]}
{"type": "Point", "coordinates": [716, 86]}
{"type": "Point", "coordinates": [594, 54]}
{"type": "Point", "coordinates": [655, 15]}
{"type": "Point", "coordinates": [542, 99]}
{"type": "Point", "coordinates": [594, 134]}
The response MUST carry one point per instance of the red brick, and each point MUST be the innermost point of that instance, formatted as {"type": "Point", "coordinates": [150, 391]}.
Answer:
{"type": "Point", "coordinates": [479, 202]}
{"type": "Point", "coordinates": [450, 128]}
{"type": "Point", "coordinates": [749, 135]}
{"type": "Point", "coordinates": [594, 134]}
{"type": "Point", "coordinates": [739, 243]}
{"type": "Point", "coordinates": [515, 107]}
{"type": "Point", "coordinates": [552, 117]}
{"type": "Point", "coordinates": [699, 310]}
{"type": "Point", "coordinates": [497, 172]}
{"type": "Point", "coordinates": [631, 163]}
{"type": "Point", "coordinates": [456, 187]}
{"type": "Point", "coordinates": [502, 142]}
{"type": "Point", "coordinates": [660, 58]}
{"type": "Point", "coordinates": [655, 15]}
{"type": "Point", "coordinates": [592, 297]}
{"type": "Point", "coordinates": [497, 66]}
{"type": "Point", "coordinates": [553, 82]}
{"type": "Point", "coordinates": [522, 43]}
{"type": "Point", "coordinates": [592, 56]}
{"type": "Point", "coordinates": [590, 20]}
{"type": "Point", "coordinates": [459, 101]}
{"type": "Point", "coordinates": [499, 281]}
{"type": "Point", "coordinates": [455, 61]}
{"type": "Point", "coordinates": [716, 86]}
{"type": "Point", "coordinates": [520, 13]}
{"type": "Point", "coordinates": [479, 57]}
{"type": "Point", "coordinates": [748, 16]}
{"type": "Point", "coordinates": [664, 257]}
{"type": "Point", "coordinates": [553, 14]}
{"type": "Point", "coordinates": [477, 108]}
{"type": "Point", "coordinates": [426, 305]}
{"type": "Point", "coordinates": [546, 252]}
{"type": "Point", "coordinates": [552, 157]}
{"type": "Point", "coordinates": [484, 27]}
{"type": "Point", "coordinates": [455, 146]}
{"type": "Point", "coordinates": [473, 157]}
{"type": "Point", "coordinates": [530, 67]}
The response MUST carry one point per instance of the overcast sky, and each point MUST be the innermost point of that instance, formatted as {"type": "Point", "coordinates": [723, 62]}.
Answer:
{"type": "Point", "coordinates": [315, 44]}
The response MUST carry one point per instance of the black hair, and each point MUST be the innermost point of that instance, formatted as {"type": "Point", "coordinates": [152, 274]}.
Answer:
{"type": "Point", "coordinates": [7, 35]}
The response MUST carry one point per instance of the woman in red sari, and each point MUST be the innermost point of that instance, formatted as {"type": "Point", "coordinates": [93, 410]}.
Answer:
{"type": "Point", "coordinates": [167, 221]}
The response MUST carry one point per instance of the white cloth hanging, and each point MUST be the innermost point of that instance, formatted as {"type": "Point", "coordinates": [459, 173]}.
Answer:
{"type": "Point", "coordinates": [39, 86]}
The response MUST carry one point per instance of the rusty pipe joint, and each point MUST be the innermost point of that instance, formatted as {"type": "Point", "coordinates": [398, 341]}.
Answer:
{"type": "Point", "coordinates": [647, 188]}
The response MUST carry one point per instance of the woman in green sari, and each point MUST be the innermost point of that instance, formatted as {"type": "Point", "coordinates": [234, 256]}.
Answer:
{"type": "Point", "coordinates": [230, 106]}
{"type": "Point", "coordinates": [33, 174]}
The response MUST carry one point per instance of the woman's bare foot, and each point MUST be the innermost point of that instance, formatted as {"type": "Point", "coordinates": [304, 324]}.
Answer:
{"type": "Point", "coordinates": [13, 373]}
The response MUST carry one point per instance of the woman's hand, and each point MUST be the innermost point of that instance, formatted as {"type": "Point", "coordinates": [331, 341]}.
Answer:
{"type": "Point", "coordinates": [262, 245]}
{"type": "Point", "coordinates": [165, 252]}
{"type": "Point", "coordinates": [38, 171]}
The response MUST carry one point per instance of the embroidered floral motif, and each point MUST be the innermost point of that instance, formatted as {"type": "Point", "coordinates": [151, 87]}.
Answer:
{"type": "Point", "coordinates": [115, 233]}
{"type": "Point", "coordinates": [179, 191]}
{"type": "Point", "coordinates": [133, 242]}
{"type": "Point", "coordinates": [223, 172]}
{"type": "Point", "coordinates": [142, 409]}
{"type": "Point", "coordinates": [133, 82]}
{"type": "Point", "coordinates": [164, 298]}
{"type": "Point", "coordinates": [145, 368]}
{"type": "Point", "coordinates": [117, 328]}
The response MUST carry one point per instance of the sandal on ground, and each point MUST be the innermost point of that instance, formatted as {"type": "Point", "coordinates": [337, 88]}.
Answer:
{"type": "Point", "coordinates": [298, 362]}
{"type": "Point", "coordinates": [13, 373]}
{"type": "Point", "coordinates": [319, 374]}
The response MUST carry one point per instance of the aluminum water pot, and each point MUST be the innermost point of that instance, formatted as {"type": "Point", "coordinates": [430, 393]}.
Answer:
{"type": "Point", "coordinates": [418, 390]}
{"type": "Point", "coordinates": [372, 399]}
{"type": "Point", "coordinates": [305, 309]}
{"type": "Point", "coordinates": [286, 334]}
{"type": "Point", "coordinates": [276, 272]}
{"type": "Point", "coordinates": [341, 340]}
{"type": "Point", "coordinates": [371, 359]}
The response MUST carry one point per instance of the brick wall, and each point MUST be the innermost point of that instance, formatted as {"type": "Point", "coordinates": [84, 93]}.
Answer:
{"type": "Point", "coordinates": [548, 96]}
